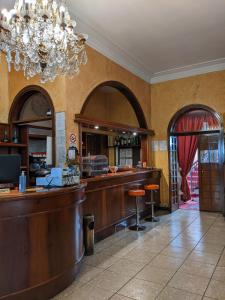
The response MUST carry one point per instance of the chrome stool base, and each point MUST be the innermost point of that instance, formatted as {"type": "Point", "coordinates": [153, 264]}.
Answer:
{"type": "Point", "coordinates": [152, 219]}
{"type": "Point", "coordinates": [137, 228]}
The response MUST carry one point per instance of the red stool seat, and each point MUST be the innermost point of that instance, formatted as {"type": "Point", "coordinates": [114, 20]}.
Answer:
{"type": "Point", "coordinates": [151, 187]}
{"type": "Point", "coordinates": [136, 193]}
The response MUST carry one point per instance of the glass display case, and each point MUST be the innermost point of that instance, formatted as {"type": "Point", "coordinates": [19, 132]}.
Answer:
{"type": "Point", "coordinates": [94, 165]}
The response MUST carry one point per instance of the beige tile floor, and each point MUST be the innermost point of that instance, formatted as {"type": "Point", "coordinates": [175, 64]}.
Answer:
{"type": "Point", "coordinates": [180, 258]}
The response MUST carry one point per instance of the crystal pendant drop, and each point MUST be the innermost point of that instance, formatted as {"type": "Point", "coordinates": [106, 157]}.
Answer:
{"type": "Point", "coordinates": [38, 37]}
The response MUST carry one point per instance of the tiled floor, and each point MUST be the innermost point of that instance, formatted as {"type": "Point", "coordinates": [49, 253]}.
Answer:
{"type": "Point", "coordinates": [180, 258]}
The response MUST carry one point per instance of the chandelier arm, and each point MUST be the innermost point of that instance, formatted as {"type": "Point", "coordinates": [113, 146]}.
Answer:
{"type": "Point", "coordinates": [38, 37]}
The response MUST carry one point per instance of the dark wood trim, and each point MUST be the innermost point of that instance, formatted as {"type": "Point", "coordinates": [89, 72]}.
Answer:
{"type": "Point", "coordinates": [41, 242]}
{"type": "Point", "coordinates": [128, 94]}
{"type": "Point", "coordinates": [22, 97]}
{"type": "Point", "coordinates": [188, 133]}
{"type": "Point", "coordinates": [188, 108]}
{"type": "Point", "coordinates": [37, 136]}
{"type": "Point", "coordinates": [171, 132]}
{"type": "Point", "coordinates": [13, 145]}
{"type": "Point", "coordinates": [32, 120]}
{"type": "Point", "coordinates": [36, 126]}
{"type": "Point", "coordinates": [100, 132]}
{"type": "Point", "coordinates": [111, 125]}
{"type": "Point", "coordinates": [17, 106]}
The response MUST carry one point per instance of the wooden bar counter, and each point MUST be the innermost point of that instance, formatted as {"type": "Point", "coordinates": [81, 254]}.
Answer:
{"type": "Point", "coordinates": [41, 242]}
{"type": "Point", "coordinates": [107, 198]}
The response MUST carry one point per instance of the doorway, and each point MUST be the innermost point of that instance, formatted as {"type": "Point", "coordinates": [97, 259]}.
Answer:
{"type": "Point", "coordinates": [193, 183]}
{"type": "Point", "coordinates": [196, 156]}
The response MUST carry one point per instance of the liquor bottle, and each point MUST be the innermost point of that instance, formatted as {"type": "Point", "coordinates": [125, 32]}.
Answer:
{"type": "Point", "coordinates": [5, 138]}
{"type": "Point", "coordinates": [15, 138]}
{"type": "Point", "coordinates": [129, 141]}
{"type": "Point", "coordinates": [125, 141]}
{"type": "Point", "coordinates": [121, 141]}
{"type": "Point", "coordinates": [118, 142]}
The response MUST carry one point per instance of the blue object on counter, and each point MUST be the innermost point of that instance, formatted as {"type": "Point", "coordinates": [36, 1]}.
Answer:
{"type": "Point", "coordinates": [22, 183]}
{"type": "Point", "coordinates": [59, 177]}
{"type": "Point", "coordinates": [53, 180]}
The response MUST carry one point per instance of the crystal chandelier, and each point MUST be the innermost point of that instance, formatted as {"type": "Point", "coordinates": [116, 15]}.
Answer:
{"type": "Point", "coordinates": [38, 37]}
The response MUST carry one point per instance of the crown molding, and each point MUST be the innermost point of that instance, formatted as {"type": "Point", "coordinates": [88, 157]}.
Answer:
{"type": "Point", "coordinates": [106, 47]}
{"type": "Point", "coordinates": [188, 71]}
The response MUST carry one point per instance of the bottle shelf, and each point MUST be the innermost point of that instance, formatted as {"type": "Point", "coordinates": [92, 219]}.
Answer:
{"type": "Point", "coordinates": [125, 147]}
{"type": "Point", "coordinates": [12, 145]}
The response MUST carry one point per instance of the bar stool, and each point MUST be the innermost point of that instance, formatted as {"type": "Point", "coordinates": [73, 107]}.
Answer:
{"type": "Point", "coordinates": [137, 194]}
{"type": "Point", "coordinates": [152, 188]}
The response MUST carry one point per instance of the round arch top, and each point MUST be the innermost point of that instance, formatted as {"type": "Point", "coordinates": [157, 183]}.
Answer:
{"type": "Point", "coordinates": [22, 97]}
{"type": "Point", "coordinates": [190, 108]}
{"type": "Point", "coordinates": [127, 93]}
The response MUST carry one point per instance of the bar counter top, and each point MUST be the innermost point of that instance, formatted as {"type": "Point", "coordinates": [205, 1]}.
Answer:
{"type": "Point", "coordinates": [36, 193]}
{"type": "Point", "coordinates": [122, 174]}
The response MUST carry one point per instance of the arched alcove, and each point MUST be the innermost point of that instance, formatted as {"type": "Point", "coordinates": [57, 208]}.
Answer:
{"type": "Point", "coordinates": [32, 118]}
{"type": "Point", "coordinates": [111, 111]}
{"type": "Point", "coordinates": [126, 96]}
{"type": "Point", "coordinates": [33, 98]}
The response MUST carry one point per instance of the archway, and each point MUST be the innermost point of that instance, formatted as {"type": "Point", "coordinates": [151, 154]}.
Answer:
{"type": "Point", "coordinates": [111, 119]}
{"type": "Point", "coordinates": [24, 95]}
{"type": "Point", "coordinates": [129, 95]}
{"type": "Point", "coordinates": [195, 142]}
{"type": "Point", "coordinates": [32, 118]}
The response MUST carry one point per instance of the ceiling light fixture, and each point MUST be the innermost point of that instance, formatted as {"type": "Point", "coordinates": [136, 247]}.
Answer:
{"type": "Point", "coordinates": [38, 37]}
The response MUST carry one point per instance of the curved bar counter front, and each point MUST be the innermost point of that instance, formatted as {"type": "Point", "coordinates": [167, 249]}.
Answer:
{"type": "Point", "coordinates": [41, 238]}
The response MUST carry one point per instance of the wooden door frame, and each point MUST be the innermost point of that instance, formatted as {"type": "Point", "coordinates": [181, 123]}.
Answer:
{"type": "Point", "coordinates": [171, 132]}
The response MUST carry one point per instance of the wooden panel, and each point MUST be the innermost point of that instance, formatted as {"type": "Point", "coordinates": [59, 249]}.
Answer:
{"type": "Point", "coordinates": [108, 200]}
{"type": "Point", "coordinates": [210, 173]}
{"type": "Point", "coordinates": [41, 243]}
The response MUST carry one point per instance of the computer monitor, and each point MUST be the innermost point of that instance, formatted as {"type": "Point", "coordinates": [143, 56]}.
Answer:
{"type": "Point", "coordinates": [9, 168]}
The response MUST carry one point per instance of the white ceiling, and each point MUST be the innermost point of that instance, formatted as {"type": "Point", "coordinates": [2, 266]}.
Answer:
{"type": "Point", "coordinates": [154, 38]}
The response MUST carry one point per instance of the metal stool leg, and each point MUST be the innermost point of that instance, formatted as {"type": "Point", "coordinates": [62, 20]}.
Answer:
{"type": "Point", "coordinates": [152, 218]}
{"type": "Point", "coordinates": [137, 226]}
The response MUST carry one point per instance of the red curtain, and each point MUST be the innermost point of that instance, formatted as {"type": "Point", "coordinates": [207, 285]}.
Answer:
{"type": "Point", "coordinates": [187, 145]}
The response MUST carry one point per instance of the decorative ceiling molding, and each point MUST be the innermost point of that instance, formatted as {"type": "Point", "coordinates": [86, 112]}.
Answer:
{"type": "Point", "coordinates": [106, 47]}
{"type": "Point", "coordinates": [102, 44]}
{"type": "Point", "coordinates": [188, 71]}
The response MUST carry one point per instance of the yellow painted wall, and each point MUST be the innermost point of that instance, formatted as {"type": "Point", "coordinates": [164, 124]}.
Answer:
{"type": "Point", "coordinates": [111, 106]}
{"type": "Point", "coordinates": [159, 101]}
{"type": "Point", "coordinates": [69, 95]}
{"type": "Point", "coordinates": [168, 97]}
{"type": "Point", "coordinates": [100, 69]}
{"type": "Point", "coordinates": [4, 92]}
